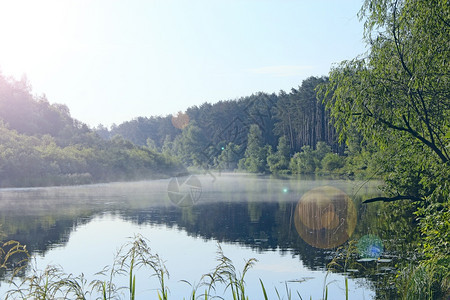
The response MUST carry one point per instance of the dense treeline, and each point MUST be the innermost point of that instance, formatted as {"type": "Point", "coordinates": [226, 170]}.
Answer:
{"type": "Point", "coordinates": [41, 144]}
{"type": "Point", "coordinates": [246, 133]}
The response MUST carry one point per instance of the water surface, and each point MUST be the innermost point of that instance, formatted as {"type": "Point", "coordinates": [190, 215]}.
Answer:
{"type": "Point", "coordinates": [81, 228]}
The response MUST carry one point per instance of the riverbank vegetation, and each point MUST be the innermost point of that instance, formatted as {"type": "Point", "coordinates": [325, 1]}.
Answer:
{"type": "Point", "coordinates": [397, 97]}
{"type": "Point", "coordinates": [285, 133]}
{"type": "Point", "coordinates": [41, 145]}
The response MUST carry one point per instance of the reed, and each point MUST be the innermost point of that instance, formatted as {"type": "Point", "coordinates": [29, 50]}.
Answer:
{"type": "Point", "coordinates": [130, 258]}
{"type": "Point", "coordinates": [420, 281]}
{"type": "Point", "coordinates": [13, 249]}
{"type": "Point", "coordinates": [225, 273]}
{"type": "Point", "coordinates": [264, 290]}
{"type": "Point", "coordinates": [53, 283]}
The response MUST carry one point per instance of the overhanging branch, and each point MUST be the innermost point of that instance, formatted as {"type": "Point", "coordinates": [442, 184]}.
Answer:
{"type": "Point", "coordinates": [391, 199]}
{"type": "Point", "coordinates": [411, 131]}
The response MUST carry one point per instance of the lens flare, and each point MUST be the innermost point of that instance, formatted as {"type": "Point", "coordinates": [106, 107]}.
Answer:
{"type": "Point", "coordinates": [181, 120]}
{"type": "Point", "coordinates": [370, 246]}
{"type": "Point", "coordinates": [325, 217]}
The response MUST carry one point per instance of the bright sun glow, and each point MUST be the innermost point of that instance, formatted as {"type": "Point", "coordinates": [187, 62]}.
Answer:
{"type": "Point", "coordinates": [142, 58]}
{"type": "Point", "coordinates": [35, 40]}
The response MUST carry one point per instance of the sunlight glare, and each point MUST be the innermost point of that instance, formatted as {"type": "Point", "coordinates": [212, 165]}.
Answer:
{"type": "Point", "coordinates": [33, 42]}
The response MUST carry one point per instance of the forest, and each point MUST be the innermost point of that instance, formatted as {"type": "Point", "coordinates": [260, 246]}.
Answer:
{"type": "Point", "coordinates": [262, 133]}
{"type": "Point", "coordinates": [287, 133]}
{"type": "Point", "coordinates": [42, 145]}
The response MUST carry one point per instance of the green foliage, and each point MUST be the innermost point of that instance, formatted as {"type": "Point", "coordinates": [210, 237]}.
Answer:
{"type": "Point", "coordinates": [191, 146]}
{"type": "Point", "coordinates": [304, 162]}
{"type": "Point", "coordinates": [309, 160]}
{"type": "Point", "coordinates": [400, 91]}
{"type": "Point", "coordinates": [332, 162]}
{"type": "Point", "coordinates": [322, 149]}
{"type": "Point", "coordinates": [302, 118]}
{"type": "Point", "coordinates": [298, 115]}
{"type": "Point", "coordinates": [40, 144]}
{"type": "Point", "coordinates": [255, 157]}
{"type": "Point", "coordinates": [32, 161]}
{"type": "Point", "coordinates": [138, 130]}
{"type": "Point", "coordinates": [362, 158]}
{"type": "Point", "coordinates": [229, 157]}
{"type": "Point", "coordinates": [397, 97]}
{"type": "Point", "coordinates": [427, 280]}
{"type": "Point", "coordinates": [279, 161]}
{"type": "Point", "coordinates": [31, 115]}
{"type": "Point", "coordinates": [435, 217]}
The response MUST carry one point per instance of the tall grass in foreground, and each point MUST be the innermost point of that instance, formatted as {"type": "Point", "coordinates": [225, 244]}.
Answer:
{"type": "Point", "coordinates": [422, 281]}
{"type": "Point", "coordinates": [53, 283]}
{"type": "Point", "coordinates": [11, 250]}
{"type": "Point", "coordinates": [224, 282]}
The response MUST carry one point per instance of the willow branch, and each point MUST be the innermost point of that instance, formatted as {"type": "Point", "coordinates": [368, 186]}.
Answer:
{"type": "Point", "coordinates": [392, 199]}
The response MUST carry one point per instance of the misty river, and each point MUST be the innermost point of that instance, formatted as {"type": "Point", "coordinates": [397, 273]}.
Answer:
{"type": "Point", "coordinates": [291, 225]}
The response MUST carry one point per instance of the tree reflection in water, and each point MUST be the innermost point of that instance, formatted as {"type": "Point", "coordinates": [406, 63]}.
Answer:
{"type": "Point", "coordinates": [255, 212]}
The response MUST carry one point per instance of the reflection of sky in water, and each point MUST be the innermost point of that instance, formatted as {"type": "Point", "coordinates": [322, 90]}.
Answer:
{"type": "Point", "coordinates": [92, 246]}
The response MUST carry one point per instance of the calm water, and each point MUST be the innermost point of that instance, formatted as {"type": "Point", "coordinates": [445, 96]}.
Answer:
{"type": "Point", "coordinates": [81, 229]}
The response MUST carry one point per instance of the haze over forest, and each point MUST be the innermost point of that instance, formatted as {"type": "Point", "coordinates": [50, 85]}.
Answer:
{"type": "Point", "coordinates": [209, 136]}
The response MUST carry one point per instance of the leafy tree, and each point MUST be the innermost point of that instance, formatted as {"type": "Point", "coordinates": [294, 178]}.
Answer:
{"type": "Point", "coordinates": [229, 158]}
{"type": "Point", "coordinates": [167, 147]}
{"type": "Point", "coordinates": [299, 116]}
{"type": "Point", "coordinates": [279, 160]}
{"type": "Point", "coordinates": [398, 96]}
{"type": "Point", "coordinates": [102, 131]}
{"type": "Point", "coordinates": [322, 149]}
{"type": "Point", "coordinates": [304, 162]}
{"type": "Point", "coordinates": [42, 145]}
{"type": "Point", "coordinates": [255, 154]}
{"type": "Point", "coordinates": [309, 161]}
{"type": "Point", "coordinates": [31, 115]}
{"type": "Point", "coordinates": [192, 146]}
{"type": "Point", "coordinates": [151, 144]}
{"type": "Point", "coordinates": [401, 89]}
{"type": "Point", "coordinates": [332, 161]}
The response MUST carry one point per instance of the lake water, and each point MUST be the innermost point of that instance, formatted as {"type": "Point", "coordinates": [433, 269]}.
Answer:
{"type": "Point", "coordinates": [292, 226]}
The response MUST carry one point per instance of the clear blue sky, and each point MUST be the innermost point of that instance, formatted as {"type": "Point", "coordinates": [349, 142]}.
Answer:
{"type": "Point", "coordinates": [110, 61]}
